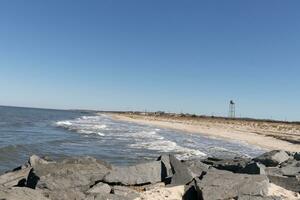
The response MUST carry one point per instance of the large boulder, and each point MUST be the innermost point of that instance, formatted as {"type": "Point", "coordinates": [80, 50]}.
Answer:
{"type": "Point", "coordinates": [272, 158]}
{"type": "Point", "coordinates": [15, 178]}
{"type": "Point", "coordinates": [71, 173]}
{"type": "Point", "coordinates": [251, 197]}
{"type": "Point", "coordinates": [35, 160]}
{"type": "Point", "coordinates": [100, 188]}
{"type": "Point", "coordinates": [196, 167]}
{"type": "Point", "coordinates": [125, 192]}
{"type": "Point", "coordinates": [18, 193]}
{"type": "Point", "coordinates": [217, 185]}
{"type": "Point", "coordinates": [253, 168]}
{"type": "Point", "coordinates": [139, 174]}
{"type": "Point", "coordinates": [182, 174]}
{"type": "Point", "coordinates": [291, 168]}
{"type": "Point", "coordinates": [289, 183]}
{"type": "Point", "coordinates": [234, 165]}
{"type": "Point", "coordinates": [106, 197]}
{"type": "Point", "coordinates": [166, 166]}
{"type": "Point", "coordinates": [64, 194]}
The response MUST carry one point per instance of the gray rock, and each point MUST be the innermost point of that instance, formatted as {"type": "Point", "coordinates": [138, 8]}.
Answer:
{"type": "Point", "coordinates": [289, 183]}
{"type": "Point", "coordinates": [15, 178]}
{"type": "Point", "coordinates": [18, 193]}
{"type": "Point", "coordinates": [250, 197]}
{"type": "Point", "coordinates": [82, 172]}
{"type": "Point", "coordinates": [273, 171]}
{"type": "Point", "coordinates": [197, 167]}
{"type": "Point", "coordinates": [135, 175]}
{"type": "Point", "coordinates": [106, 197]}
{"type": "Point", "coordinates": [65, 194]}
{"type": "Point", "coordinates": [217, 185]}
{"type": "Point", "coordinates": [297, 156]}
{"type": "Point", "coordinates": [182, 174]}
{"type": "Point", "coordinates": [125, 192]}
{"type": "Point", "coordinates": [272, 158]}
{"type": "Point", "coordinates": [35, 160]}
{"type": "Point", "coordinates": [233, 165]}
{"type": "Point", "coordinates": [292, 168]}
{"type": "Point", "coordinates": [166, 166]}
{"type": "Point", "coordinates": [100, 188]}
{"type": "Point", "coordinates": [253, 168]}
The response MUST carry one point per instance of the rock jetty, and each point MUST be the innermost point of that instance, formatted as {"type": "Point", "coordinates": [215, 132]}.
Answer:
{"type": "Point", "coordinates": [87, 178]}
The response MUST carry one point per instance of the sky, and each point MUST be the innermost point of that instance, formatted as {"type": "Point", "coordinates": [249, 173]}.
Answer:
{"type": "Point", "coordinates": [170, 55]}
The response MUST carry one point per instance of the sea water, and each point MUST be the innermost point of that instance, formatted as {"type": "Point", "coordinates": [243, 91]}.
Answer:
{"type": "Point", "coordinates": [63, 133]}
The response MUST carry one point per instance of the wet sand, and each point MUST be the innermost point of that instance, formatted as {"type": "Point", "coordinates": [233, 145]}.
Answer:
{"type": "Point", "coordinates": [267, 135]}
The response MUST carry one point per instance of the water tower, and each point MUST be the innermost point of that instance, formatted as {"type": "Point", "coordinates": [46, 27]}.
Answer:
{"type": "Point", "coordinates": [231, 113]}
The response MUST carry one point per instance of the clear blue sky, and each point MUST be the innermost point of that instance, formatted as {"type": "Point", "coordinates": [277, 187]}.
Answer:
{"type": "Point", "coordinates": [180, 56]}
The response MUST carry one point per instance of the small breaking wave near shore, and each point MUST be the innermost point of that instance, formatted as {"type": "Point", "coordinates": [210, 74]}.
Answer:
{"type": "Point", "coordinates": [148, 140]}
{"type": "Point", "coordinates": [132, 135]}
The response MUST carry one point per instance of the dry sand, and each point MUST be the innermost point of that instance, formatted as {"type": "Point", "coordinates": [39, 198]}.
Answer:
{"type": "Point", "coordinates": [266, 135]}
{"type": "Point", "coordinates": [160, 192]}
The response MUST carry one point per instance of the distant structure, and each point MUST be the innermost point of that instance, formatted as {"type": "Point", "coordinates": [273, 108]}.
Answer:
{"type": "Point", "coordinates": [231, 113]}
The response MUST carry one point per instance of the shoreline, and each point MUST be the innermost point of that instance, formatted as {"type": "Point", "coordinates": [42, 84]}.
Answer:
{"type": "Point", "coordinates": [218, 130]}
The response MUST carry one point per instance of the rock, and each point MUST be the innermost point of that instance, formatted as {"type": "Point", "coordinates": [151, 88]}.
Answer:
{"type": "Point", "coordinates": [272, 158]}
{"type": "Point", "coordinates": [274, 171]}
{"type": "Point", "coordinates": [81, 172]}
{"type": "Point", "coordinates": [153, 186]}
{"type": "Point", "coordinates": [292, 168]}
{"type": "Point", "coordinates": [182, 174]}
{"type": "Point", "coordinates": [139, 174]}
{"type": "Point", "coordinates": [196, 167]}
{"type": "Point", "coordinates": [289, 183]}
{"type": "Point", "coordinates": [166, 166]}
{"type": "Point", "coordinates": [250, 197]}
{"type": "Point", "coordinates": [297, 156]}
{"type": "Point", "coordinates": [100, 188]}
{"type": "Point", "coordinates": [190, 191]}
{"type": "Point", "coordinates": [125, 192]}
{"type": "Point", "coordinates": [65, 194]}
{"type": "Point", "coordinates": [15, 178]}
{"type": "Point", "coordinates": [253, 168]}
{"type": "Point", "coordinates": [106, 197]}
{"type": "Point", "coordinates": [18, 193]}
{"type": "Point", "coordinates": [217, 185]}
{"type": "Point", "coordinates": [233, 165]}
{"type": "Point", "coordinates": [35, 160]}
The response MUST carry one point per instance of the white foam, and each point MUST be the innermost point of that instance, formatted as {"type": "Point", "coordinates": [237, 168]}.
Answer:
{"type": "Point", "coordinates": [169, 146]}
{"type": "Point", "coordinates": [64, 123]}
{"type": "Point", "coordinates": [101, 134]}
{"type": "Point", "coordinates": [84, 125]}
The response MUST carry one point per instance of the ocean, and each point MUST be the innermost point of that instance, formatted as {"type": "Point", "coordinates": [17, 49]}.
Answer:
{"type": "Point", "coordinates": [62, 133]}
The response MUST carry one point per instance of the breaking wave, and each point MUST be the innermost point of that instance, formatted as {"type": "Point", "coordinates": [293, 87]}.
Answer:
{"type": "Point", "coordinates": [135, 136]}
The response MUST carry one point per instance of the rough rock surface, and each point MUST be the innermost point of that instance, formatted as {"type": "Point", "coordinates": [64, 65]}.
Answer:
{"type": "Point", "coordinates": [164, 179]}
{"type": "Point", "coordinates": [135, 175]}
{"type": "Point", "coordinates": [15, 178]}
{"type": "Point", "coordinates": [233, 165]}
{"type": "Point", "coordinates": [21, 193]}
{"type": "Point", "coordinates": [101, 188]}
{"type": "Point", "coordinates": [219, 185]}
{"type": "Point", "coordinates": [81, 172]}
{"type": "Point", "coordinates": [182, 174]}
{"type": "Point", "coordinates": [273, 158]}
{"type": "Point", "coordinates": [253, 168]}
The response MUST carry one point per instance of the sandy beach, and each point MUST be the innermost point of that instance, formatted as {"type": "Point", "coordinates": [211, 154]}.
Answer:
{"type": "Point", "coordinates": [267, 135]}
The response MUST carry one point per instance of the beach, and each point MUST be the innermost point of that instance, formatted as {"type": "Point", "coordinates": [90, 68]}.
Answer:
{"type": "Point", "coordinates": [264, 134]}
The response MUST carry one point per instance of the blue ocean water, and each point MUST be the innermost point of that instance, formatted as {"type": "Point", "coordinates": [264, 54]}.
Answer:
{"type": "Point", "coordinates": [62, 133]}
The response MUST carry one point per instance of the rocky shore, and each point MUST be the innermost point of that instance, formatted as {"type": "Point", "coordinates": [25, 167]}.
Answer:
{"type": "Point", "coordinates": [272, 176]}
